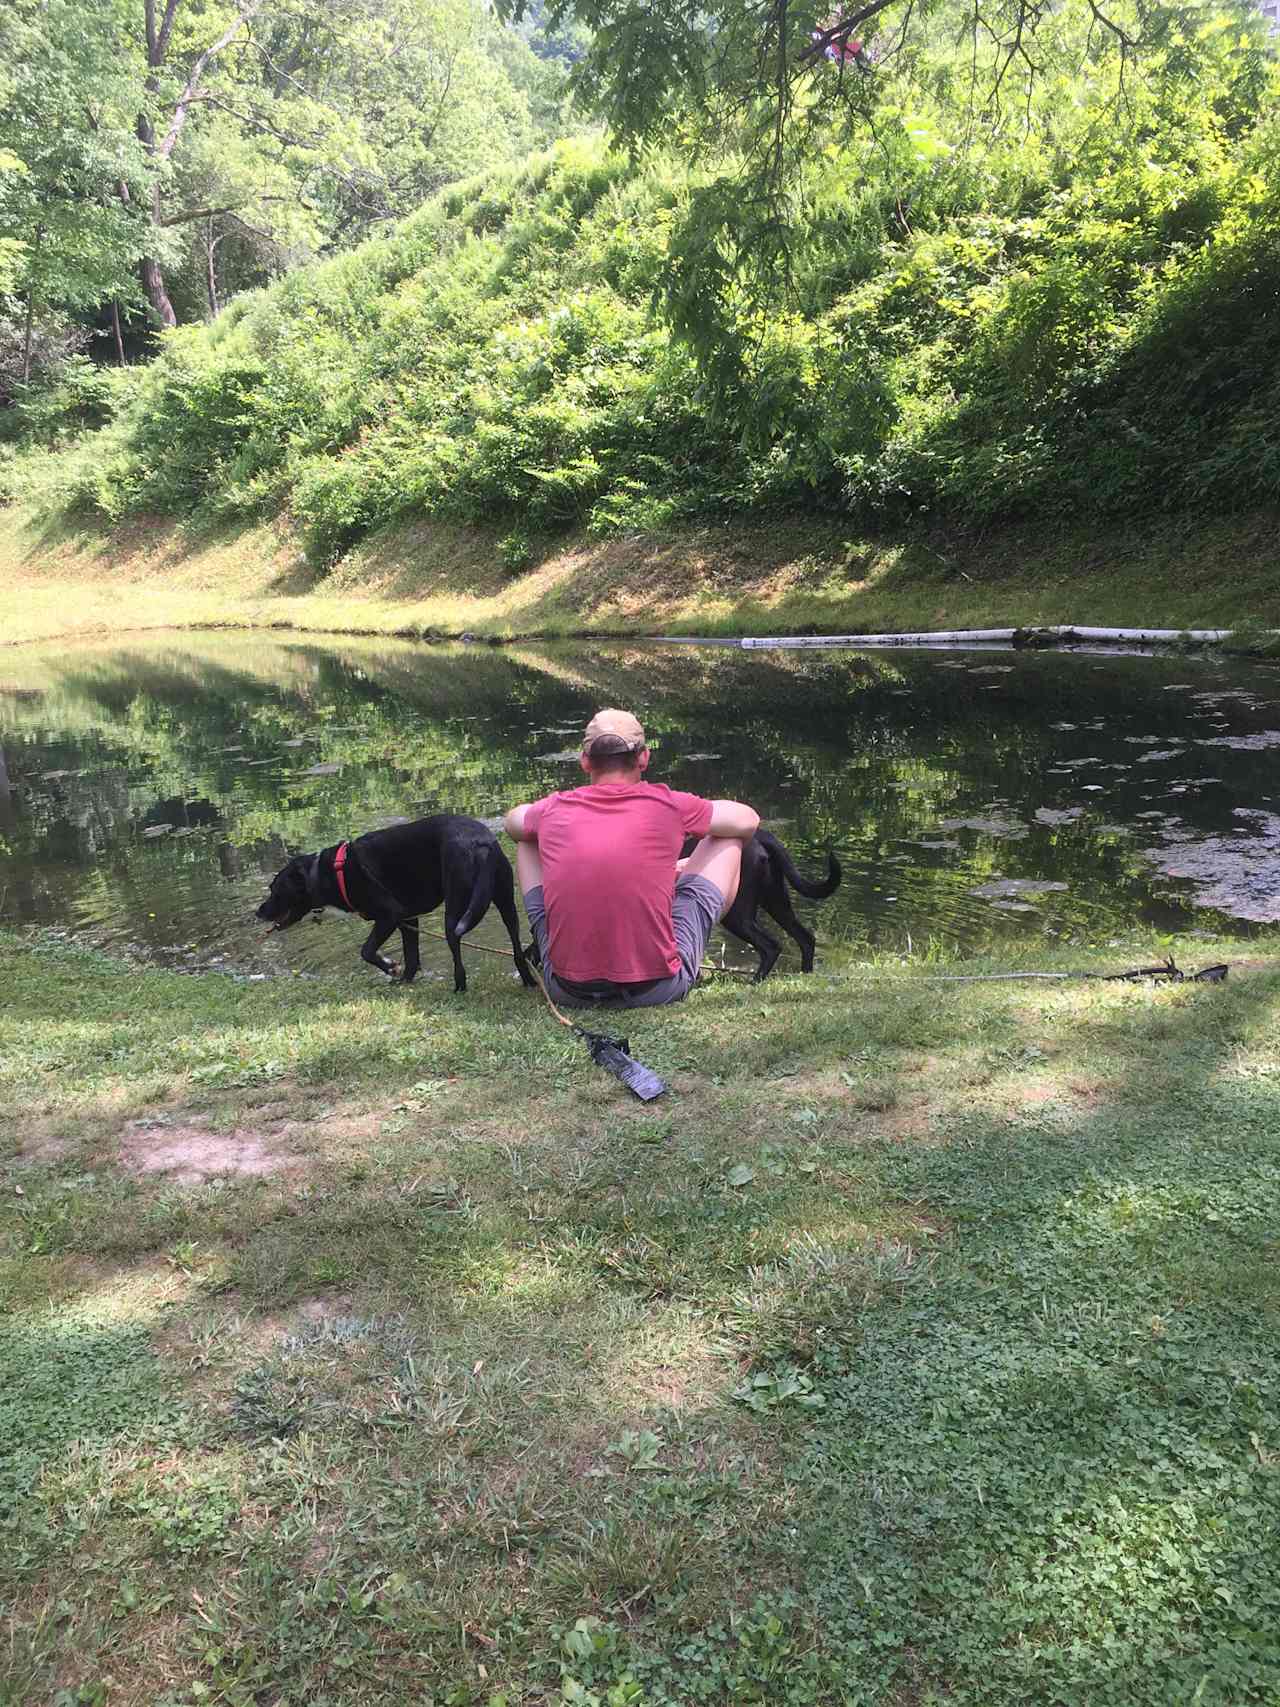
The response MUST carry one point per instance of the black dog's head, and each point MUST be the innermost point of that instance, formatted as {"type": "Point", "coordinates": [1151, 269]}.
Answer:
{"type": "Point", "coordinates": [293, 893]}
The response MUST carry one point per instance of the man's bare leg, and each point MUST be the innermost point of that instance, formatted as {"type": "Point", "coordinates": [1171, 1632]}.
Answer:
{"type": "Point", "coordinates": [719, 859]}
{"type": "Point", "coordinates": [528, 866]}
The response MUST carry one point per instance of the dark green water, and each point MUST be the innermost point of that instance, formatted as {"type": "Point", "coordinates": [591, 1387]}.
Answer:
{"type": "Point", "coordinates": [148, 789]}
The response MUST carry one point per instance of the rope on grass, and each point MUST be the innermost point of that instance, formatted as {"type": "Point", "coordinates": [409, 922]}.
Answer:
{"type": "Point", "coordinates": [1215, 974]}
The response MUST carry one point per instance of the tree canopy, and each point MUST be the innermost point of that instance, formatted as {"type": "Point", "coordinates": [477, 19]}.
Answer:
{"type": "Point", "coordinates": [165, 153]}
{"type": "Point", "coordinates": [790, 105]}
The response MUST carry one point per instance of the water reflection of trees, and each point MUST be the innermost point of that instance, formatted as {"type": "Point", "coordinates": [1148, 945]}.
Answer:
{"type": "Point", "coordinates": [862, 752]}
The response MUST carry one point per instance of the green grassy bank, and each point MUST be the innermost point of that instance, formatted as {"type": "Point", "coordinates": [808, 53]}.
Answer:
{"type": "Point", "coordinates": [793, 574]}
{"type": "Point", "coordinates": [368, 1345]}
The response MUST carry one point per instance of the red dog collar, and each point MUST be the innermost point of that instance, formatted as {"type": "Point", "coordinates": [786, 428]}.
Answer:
{"type": "Point", "coordinates": [340, 860]}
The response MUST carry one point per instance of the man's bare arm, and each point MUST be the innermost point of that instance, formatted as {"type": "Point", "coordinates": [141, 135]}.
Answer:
{"type": "Point", "coordinates": [733, 819]}
{"type": "Point", "coordinates": [514, 822]}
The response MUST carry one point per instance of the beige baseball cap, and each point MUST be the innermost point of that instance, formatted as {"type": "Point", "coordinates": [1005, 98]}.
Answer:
{"type": "Point", "coordinates": [612, 731]}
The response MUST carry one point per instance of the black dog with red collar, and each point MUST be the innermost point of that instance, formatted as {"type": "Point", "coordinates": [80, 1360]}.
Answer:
{"type": "Point", "coordinates": [391, 877]}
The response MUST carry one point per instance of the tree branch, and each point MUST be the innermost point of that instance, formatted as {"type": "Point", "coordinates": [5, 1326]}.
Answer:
{"type": "Point", "coordinates": [281, 73]}
{"type": "Point", "coordinates": [212, 212]}
{"type": "Point", "coordinates": [1127, 43]}
{"type": "Point", "coordinates": [440, 105]}
{"type": "Point", "coordinates": [256, 120]}
{"type": "Point", "coordinates": [179, 118]}
{"type": "Point", "coordinates": [839, 34]}
{"type": "Point", "coordinates": [256, 230]}
{"type": "Point", "coordinates": [161, 42]}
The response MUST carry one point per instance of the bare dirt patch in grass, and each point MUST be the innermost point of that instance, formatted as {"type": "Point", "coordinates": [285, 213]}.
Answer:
{"type": "Point", "coordinates": [33, 1151]}
{"type": "Point", "coordinates": [264, 1332]}
{"type": "Point", "coordinates": [192, 1154]}
{"type": "Point", "coordinates": [916, 1121]}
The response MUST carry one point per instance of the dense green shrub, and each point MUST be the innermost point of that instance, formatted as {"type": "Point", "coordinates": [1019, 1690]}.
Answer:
{"type": "Point", "coordinates": [75, 397]}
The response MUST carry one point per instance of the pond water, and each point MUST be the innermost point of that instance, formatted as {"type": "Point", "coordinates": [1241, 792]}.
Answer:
{"type": "Point", "coordinates": [149, 788]}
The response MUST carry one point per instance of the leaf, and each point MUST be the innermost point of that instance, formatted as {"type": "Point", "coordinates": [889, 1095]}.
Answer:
{"type": "Point", "coordinates": [743, 1174]}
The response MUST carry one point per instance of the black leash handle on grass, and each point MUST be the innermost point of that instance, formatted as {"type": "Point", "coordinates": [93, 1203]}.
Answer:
{"type": "Point", "coordinates": [607, 1052]}
{"type": "Point", "coordinates": [611, 1053]}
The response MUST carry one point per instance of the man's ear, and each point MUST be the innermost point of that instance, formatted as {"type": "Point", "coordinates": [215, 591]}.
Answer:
{"type": "Point", "coordinates": [643, 760]}
{"type": "Point", "coordinates": [585, 763]}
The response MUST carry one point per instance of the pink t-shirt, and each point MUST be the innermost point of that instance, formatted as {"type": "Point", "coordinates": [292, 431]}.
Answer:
{"type": "Point", "coordinates": [608, 854]}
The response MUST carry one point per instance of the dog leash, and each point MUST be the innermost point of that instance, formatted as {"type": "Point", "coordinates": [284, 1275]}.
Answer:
{"type": "Point", "coordinates": [611, 1053]}
{"type": "Point", "coordinates": [1167, 970]}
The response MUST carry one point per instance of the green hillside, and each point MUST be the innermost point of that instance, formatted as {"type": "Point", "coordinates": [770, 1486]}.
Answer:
{"type": "Point", "coordinates": [1073, 325]}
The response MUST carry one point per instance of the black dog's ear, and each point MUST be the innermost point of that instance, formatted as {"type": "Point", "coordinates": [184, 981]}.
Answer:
{"type": "Point", "coordinates": [311, 876]}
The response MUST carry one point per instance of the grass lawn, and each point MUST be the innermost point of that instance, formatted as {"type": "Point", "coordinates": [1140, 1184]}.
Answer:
{"type": "Point", "coordinates": [796, 574]}
{"type": "Point", "coordinates": [361, 1345]}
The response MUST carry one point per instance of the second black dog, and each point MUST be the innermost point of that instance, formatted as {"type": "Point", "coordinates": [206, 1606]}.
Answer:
{"type": "Point", "coordinates": [392, 876]}
{"type": "Point", "coordinates": [767, 869]}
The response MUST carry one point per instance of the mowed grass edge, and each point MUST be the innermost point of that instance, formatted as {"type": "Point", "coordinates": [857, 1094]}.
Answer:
{"type": "Point", "coordinates": [363, 1345]}
{"type": "Point", "coordinates": [793, 574]}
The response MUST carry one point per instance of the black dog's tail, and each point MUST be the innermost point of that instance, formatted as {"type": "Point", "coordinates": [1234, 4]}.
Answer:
{"type": "Point", "coordinates": [816, 889]}
{"type": "Point", "coordinates": [481, 889]}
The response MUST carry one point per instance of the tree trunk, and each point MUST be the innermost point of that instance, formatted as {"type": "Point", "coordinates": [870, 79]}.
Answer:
{"type": "Point", "coordinates": [1055, 634]}
{"type": "Point", "coordinates": [29, 328]}
{"type": "Point", "coordinates": [153, 284]}
{"type": "Point", "coordinates": [157, 36]}
{"type": "Point", "coordinates": [117, 333]}
{"type": "Point", "coordinates": [26, 337]}
{"type": "Point", "coordinates": [149, 273]}
{"type": "Point", "coordinates": [211, 276]}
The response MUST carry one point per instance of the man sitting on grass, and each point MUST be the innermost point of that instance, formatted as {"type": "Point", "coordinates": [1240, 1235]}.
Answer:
{"type": "Point", "coordinates": [617, 916]}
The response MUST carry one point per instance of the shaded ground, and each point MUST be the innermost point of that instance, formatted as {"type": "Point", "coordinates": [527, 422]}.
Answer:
{"type": "Point", "coordinates": [920, 1346]}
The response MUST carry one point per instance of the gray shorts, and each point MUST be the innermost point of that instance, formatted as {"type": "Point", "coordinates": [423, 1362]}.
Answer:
{"type": "Point", "coordinates": [696, 906]}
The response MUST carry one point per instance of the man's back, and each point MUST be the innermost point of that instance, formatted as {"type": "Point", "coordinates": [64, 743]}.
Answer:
{"type": "Point", "coordinates": [608, 854]}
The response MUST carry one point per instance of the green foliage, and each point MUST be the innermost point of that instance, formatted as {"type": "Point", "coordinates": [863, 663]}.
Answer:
{"type": "Point", "coordinates": [236, 152]}
{"type": "Point", "coordinates": [516, 550]}
{"type": "Point", "coordinates": [783, 1387]}
{"type": "Point", "coordinates": [758, 95]}
{"type": "Point", "coordinates": [71, 165]}
{"type": "Point", "coordinates": [81, 397]}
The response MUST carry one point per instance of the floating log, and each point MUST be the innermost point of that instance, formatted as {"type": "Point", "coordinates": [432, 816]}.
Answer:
{"type": "Point", "coordinates": [935, 637]}
{"type": "Point", "coordinates": [1065, 634]}
{"type": "Point", "coordinates": [1056, 634]}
